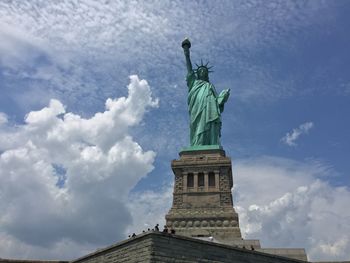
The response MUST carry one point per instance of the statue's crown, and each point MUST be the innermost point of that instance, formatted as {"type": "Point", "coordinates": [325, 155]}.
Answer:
{"type": "Point", "coordinates": [204, 66]}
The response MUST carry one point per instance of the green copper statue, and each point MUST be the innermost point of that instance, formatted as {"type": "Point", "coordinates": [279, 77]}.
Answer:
{"type": "Point", "coordinates": [204, 103]}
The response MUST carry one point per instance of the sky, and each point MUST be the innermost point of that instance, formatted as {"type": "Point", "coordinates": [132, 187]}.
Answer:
{"type": "Point", "coordinates": [93, 108]}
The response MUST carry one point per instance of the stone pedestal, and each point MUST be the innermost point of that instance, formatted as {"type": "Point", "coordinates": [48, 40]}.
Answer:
{"type": "Point", "coordinates": [202, 204]}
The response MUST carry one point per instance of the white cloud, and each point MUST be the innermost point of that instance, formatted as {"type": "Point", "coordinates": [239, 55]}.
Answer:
{"type": "Point", "coordinates": [18, 46]}
{"type": "Point", "coordinates": [291, 137]}
{"type": "Point", "coordinates": [149, 208]}
{"type": "Point", "coordinates": [65, 179]}
{"type": "Point", "coordinates": [286, 203]}
{"type": "Point", "coordinates": [3, 118]}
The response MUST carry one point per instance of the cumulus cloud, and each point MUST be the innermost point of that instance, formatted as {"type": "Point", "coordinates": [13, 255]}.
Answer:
{"type": "Point", "coordinates": [65, 179]}
{"type": "Point", "coordinates": [291, 137]}
{"type": "Point", "coordinates": [287, 203]}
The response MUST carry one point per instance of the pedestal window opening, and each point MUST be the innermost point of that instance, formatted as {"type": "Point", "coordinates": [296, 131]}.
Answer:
{"type": "Point", "coordinates": [190, 180]}
{"type": "Point", "coordinates": [211, 179]}
{"type": "Point", "coordinates": [200, 179]}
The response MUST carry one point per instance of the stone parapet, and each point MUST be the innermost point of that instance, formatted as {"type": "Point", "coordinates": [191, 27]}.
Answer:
{"type": "Point", "coordinates": [297, 253]}
{"type": "Point", "coordinates": [161, 247]}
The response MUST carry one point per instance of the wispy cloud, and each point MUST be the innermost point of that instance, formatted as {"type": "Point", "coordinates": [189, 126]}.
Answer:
{"type": "Point", "coordinates": [3, 118]}
{"type": "Point", "coordinates": [103, 37]}
{"type": "Point", "coordinates": [291, 137]}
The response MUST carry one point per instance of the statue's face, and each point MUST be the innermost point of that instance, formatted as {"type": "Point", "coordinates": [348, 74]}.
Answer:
{"type": "Point", "coordinates": [202, 74]}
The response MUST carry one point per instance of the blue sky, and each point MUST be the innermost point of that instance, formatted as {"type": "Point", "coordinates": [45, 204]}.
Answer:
{"type": "Point", "coordinates": [90, 136]}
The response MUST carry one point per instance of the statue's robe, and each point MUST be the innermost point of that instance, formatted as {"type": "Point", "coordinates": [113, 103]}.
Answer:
{"type": "Point", "coordinates": [205, 107]}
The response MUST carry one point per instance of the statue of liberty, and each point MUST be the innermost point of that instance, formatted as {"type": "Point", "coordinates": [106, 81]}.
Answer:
{"type": "Point", "coordinates": [205, 105]}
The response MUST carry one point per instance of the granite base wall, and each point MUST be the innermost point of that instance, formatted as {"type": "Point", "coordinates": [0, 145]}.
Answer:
{"type": "Point", "coordinates": [161, 247]}
{"type": "Point", "coordinates": [138, 249]}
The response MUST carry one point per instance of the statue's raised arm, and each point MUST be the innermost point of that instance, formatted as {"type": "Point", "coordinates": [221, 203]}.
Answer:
{"type": "Point", "coordinates": [186, 44]}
